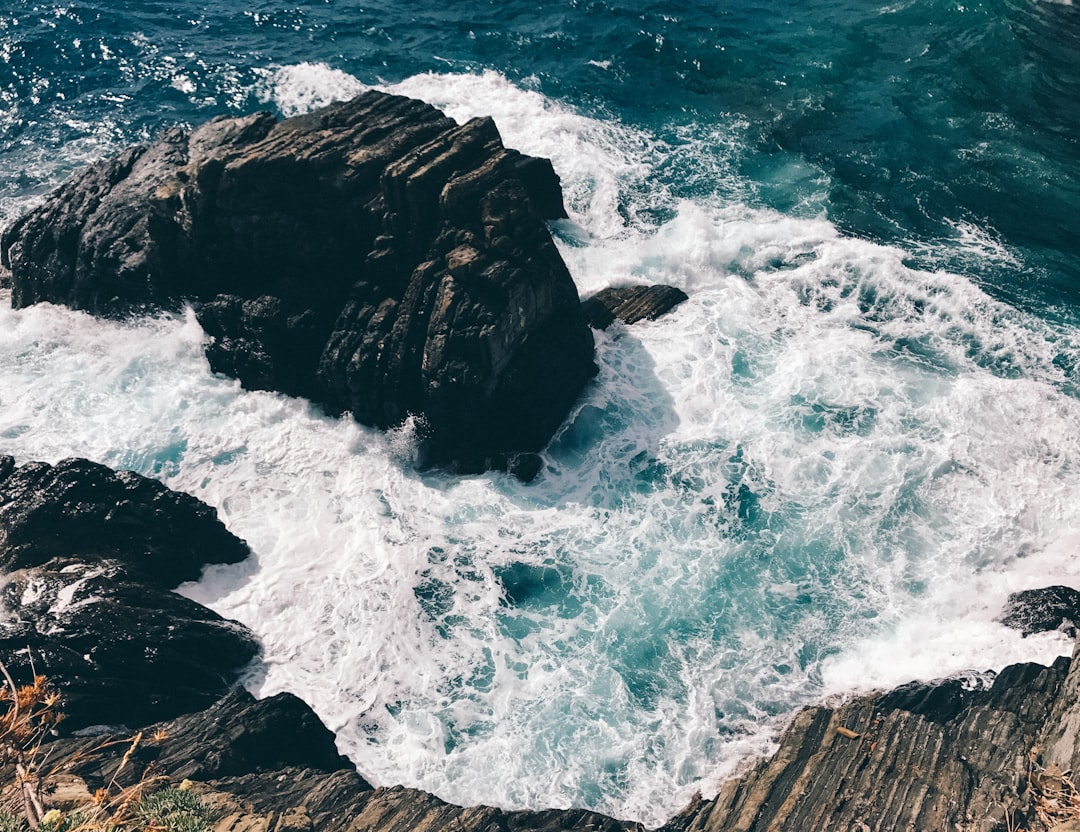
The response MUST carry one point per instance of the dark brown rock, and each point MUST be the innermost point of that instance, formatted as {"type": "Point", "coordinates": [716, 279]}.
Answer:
{"type": "Point", "coordinates": [1043, 610]}
{"type": "Point", "coordinates": [961, 766]}
{"type": "Point", "coordinates": [80, 509]}
{"type": "Point", "coordinates": [120, 649]}
{"type": "Point", "coordinates": [90, 556]}
{"type": "Point", "coordinates": [373, 255]}
{"type": "Point", "coordinates": [257, 762]}
{"type": "Point", "coordinates": [630, 304]}
{"type": "Point", "coordinates": [886, 762]}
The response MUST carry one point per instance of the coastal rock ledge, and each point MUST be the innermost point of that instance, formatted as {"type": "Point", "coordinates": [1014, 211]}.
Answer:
{"type": "Point", "coordinates": [89, 557]}
{"type": "Point", "coordinates": [924, 757]}
{"type": "Point", "coordinates": [373, 256]}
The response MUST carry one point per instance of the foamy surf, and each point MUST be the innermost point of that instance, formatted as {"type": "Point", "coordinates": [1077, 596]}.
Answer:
{"type": "Point", "coordinates": [808, 479]}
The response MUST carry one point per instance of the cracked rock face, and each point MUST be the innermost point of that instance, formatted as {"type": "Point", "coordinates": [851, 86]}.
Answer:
{"type": "Point", "coordinates": [373, 256]}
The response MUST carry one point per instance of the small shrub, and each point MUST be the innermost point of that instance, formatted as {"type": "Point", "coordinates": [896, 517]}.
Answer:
{"type": "Point", "coordinates": [31, 715]}
{"type": "Point", "coordinates": [176, 810]}
{"type": "Point", "coordinates": [11, 822]}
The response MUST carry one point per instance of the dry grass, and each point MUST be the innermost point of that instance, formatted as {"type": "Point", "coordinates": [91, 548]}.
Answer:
{"type": "Point", "coordinates": [32, 714]}
{"type": "Point", "coordinates": [1056, 796]}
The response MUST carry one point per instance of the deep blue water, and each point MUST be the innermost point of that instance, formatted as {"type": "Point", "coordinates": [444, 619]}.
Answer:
{"type": "Point", "coordinates": [900, 120]}
{"type": "Point", "coordinates": [825, 471]}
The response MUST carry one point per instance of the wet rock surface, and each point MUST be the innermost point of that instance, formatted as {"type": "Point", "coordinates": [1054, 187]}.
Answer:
{"type": "Point", "coordinates": [894, 761]}
{"type": "Point", "coordinates": [1043, 610]}
{"type": "Point", "coordinates": [630, 304]}
{"type": "Point", "coordinates": [80, 509]}
{"type": "Point", "coordinates": [982, 753]}
{"type": "Point", "coordinates": [90, 556]}
{"type": "Point", "coordinates": [373, 256]}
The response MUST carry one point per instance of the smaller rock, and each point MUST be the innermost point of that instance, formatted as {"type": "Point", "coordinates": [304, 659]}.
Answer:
{"type": "Point", "coordinates": [1043, 610]}
{"type": "Point", "coordinates": [242, 735]}
{"type": "Point", "coordinates": [81, 509]}
{"type": "Point", "coordinates": [237, 737]}
{"type": "Point", "coordinates": [630, 304]}
{"type": "Point", "coordinates": [119, 649]}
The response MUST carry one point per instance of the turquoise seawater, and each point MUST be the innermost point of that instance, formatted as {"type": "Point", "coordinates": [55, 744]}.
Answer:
{"type": "Point", "coordinates": [824, 472]}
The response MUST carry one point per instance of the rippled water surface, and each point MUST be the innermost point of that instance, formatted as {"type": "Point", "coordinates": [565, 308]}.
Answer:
{"type": "Point", "coordinates": [824, 472]}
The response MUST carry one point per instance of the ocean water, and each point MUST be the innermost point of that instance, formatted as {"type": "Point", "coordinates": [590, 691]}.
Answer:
{"type": "Point", "coordinates": [823, 473]}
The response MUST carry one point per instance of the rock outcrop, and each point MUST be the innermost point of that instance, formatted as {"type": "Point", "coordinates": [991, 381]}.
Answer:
{"type": "Point", "coordinates": [906, 760]}
{"type": "Point", "coordinates": [84, 510]}
{"type": "Point", "coordinates": [1043, 610]}
{"type": "Point", "coordinates": [90, 556]}
{"type": "Point", "coordinates": [373, 256]}
{"type": "Point", "coordinates": [630, 304]}
{"type": "Point", "coordinates": [272, 765]}
{"type": "Point", "coordinates": [986, 760]}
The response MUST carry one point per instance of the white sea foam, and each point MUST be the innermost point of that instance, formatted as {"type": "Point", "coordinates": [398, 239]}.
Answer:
{"type": "Point", "coordinates": [824, 471]}
{"type": "Point", "coordinates": [300, 88]}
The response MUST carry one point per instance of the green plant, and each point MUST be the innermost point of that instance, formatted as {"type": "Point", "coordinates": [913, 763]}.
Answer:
{"type": "Point", "coordinates": [30, 717]}
{"type": "Point", "coordinates": [11, 822]}
{"type": "Point", "coordinates": [176, 810]}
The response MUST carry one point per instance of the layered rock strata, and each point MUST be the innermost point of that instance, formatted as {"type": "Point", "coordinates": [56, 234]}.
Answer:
{"type": "Point", "coordinates": [939, 756]}
{"type": "Point", "coordinates": [91, 554]}
{"type": "Point", "coordinates": [373, 256]}
{"type": "Point", "coordinates": [630, 304]}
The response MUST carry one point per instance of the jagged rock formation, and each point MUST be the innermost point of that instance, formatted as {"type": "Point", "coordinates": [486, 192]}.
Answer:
{"type": "Point", "coordinates": [919, 761]}
{"type": "Point", "coordinates": [272, 765]}
{"type": "Point", "coordinates": [84, 510]}
{"type": "Point", "coordinates": [630, 304]}
{"type": "Point", "coordinates": [1043, 610]}
{"type": "Point", "coordinates": [373, 256]}
{"type": "Point", "coordinates": [90, 556]}
{"type": "Point", "coordinates": [926, 756]}
{"type": "Point", "coordinates": [93, 553]}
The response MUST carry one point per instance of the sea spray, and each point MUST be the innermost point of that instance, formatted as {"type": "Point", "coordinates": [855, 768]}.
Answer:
{"type": "Point", "coordinates": [813, 463]}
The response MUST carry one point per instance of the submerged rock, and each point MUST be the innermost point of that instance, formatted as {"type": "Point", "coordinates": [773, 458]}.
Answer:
{"type": "Point", "coordinates": [373, 256]}
{"type": "Point", "coordinates": [630, 304]}
{"type": "Point", "coordinates": [1043, 610]}
{"type": "Point", "coordinates": [90, 556]}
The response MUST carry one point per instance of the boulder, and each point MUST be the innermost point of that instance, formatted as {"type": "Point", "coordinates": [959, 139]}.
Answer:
{"type": "Point", "coordinates": [1043, 610]}
{"type": "Point", "coordinates": [81, 509]}
{"type": "Point", "coordinates": [630, 304]}
{"type": "Point", "coordinates": [118, 648]}
{"type": "Point", "coordinates": [373, 256]}
{"type": "Point", "coordinates": [90, 556]}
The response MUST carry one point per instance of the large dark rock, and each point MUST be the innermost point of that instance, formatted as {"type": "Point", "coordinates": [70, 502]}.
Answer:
{"type": "Point", "coordinates": [991, 760]}
{"type": "Point", "coordinates": [373, 255]}
{"type": "Point", "coordinates": [120, 649]}
{"type": "Point", "coordinates": [271, 764]}
{"type": "Point", "coordinates": [234, 736]}
{"type": "Point", "coordinates": [950, 762]}
{"type": "Point", "coordinates": [90, 556]}
{"type": "Point", "coordinates": [84, 510]}
{"type": "Point", "coordinates": [1043, 610]}
{"type": "Point", "coordinates": [630, 304]}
